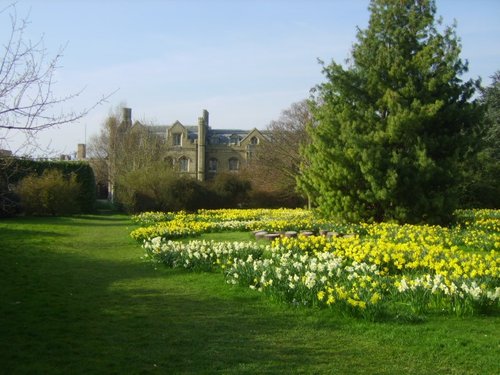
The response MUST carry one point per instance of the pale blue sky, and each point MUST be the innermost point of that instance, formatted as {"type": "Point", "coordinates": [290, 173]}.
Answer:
{"type": "Point", "coordinates": [244, 61]}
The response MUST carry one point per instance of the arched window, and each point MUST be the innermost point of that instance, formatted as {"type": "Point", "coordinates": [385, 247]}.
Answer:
{"type": "Point", "coordinates": [212, 165]}
{"type": "Point", "coordinates": [184, 164]}
{"type": "Point", "coordinates": [254, 141]}
{"type": "Point", "coordinates": [234, 164]}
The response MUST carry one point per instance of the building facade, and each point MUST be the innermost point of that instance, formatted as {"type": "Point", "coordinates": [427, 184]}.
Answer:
{"type": "Point", "coordinates": [203, 152]}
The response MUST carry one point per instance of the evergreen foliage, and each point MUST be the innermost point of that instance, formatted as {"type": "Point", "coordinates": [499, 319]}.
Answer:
{"type": "Point", "coordinates": [231, 190]}
{"type": "Point", "coordinates": [482, 188]}
{"type": "Point", "coordinates": [189, 194]}
{"type": "Point", "coordinates": [52, 193]}
{"type": "Point", "coordinates": [13, 170]}
{"type": "Point", "coordinates": [392, 128]}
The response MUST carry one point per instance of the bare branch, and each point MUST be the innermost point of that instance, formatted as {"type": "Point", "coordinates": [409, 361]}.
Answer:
{"type": "Point", "coordinates": [277, 161]}
{"type": "Point", "coordinates": [27, 100]}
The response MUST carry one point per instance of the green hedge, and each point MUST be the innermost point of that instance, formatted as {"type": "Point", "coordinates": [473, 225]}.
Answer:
{"type": "Point", "coordinates": [14, 170]}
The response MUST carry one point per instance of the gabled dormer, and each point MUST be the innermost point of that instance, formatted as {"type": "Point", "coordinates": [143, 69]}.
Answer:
{"type": "Point", "coordinates": [253, 138]}
{"type": "Point", "coordinates": [177, 135]}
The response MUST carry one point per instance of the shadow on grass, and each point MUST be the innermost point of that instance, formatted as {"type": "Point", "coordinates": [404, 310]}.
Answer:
{"type": "Point", "coordinates": [80, 301]}
{"type": "Point", "coordinates": [84, 220]}
{"type": "Point", "coordinates": [17, 234]}
{"type": "Point", "coordinates": [105, 217]}
{"type": "Point", "coordinates": [76, 220]}
{"type": "Point", "coordinates": [67, 313]}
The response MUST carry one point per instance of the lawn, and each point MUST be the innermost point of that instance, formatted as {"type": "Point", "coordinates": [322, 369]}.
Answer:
{"type": "Point", "coordinates": [76, 298]}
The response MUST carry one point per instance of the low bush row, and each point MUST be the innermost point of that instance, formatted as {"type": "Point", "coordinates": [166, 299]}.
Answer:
{"type": "Point", "coordinates": [45, 187]}
{"type": "Point", "coordinates": [159, 189]}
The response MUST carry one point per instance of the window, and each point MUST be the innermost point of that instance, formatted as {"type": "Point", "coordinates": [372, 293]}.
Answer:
{"type": "Point", "coordinates": [254, 141]}
{"type": "Point", "coordinates": [234, 164]}
{"type": "Point", "coordinates": [184, 164]}
{"type": "Point", "coordinates": [212, 165]}
{"type": "Point", "coordinates": [177, 137]}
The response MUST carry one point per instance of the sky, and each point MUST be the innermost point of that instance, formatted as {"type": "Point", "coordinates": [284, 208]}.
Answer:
{"type": "Point", "coordinates": [244, 61]}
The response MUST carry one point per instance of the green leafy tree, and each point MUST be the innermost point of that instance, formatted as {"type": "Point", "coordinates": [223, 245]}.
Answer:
{"type": "Point", "coordinates": [491, 99]}
{"type": "Point", "coordinates": [482, 186]}
{"type": "Point", "coordinates": [392, 128]}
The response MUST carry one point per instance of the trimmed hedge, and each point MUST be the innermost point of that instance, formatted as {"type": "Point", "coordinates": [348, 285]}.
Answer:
{"type": "Point", "coordinates": [14, 170]}
{"type": "Point", "coordinates": [49, 194]}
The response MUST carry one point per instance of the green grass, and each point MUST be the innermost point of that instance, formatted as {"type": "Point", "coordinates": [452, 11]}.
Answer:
{"type": "Point", "coordinates": [75, 298]}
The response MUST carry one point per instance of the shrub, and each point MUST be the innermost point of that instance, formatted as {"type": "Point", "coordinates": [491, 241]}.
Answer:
{"type": "Point", "coordinates": [145, 189]}
{"type": "Point", "coordinates": [52, 193]}
{"type": "Point", "coordinates": [189, 194]}
{"type": "Point", "coordinates": [275, 199]}
{"type": "Point", "coordinates": [13, 170]}
{"type": "Point", "coordinates": [157, 188]}
{"type": "Point", "coordinates": [231, 190]}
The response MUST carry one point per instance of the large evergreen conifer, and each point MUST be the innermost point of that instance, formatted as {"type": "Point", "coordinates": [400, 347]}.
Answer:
{"type": "Point", "coordinates": [392, 128]}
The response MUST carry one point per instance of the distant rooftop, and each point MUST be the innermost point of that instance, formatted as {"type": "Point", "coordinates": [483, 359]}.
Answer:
{"type": "Point", "coordinates": [214, 136]}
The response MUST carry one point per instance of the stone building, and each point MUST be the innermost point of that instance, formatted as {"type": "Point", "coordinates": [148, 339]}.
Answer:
{"type": "Point", "coordinates": [202, 152]}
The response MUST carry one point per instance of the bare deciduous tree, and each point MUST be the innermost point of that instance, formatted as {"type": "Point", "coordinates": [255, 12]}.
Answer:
{"type": "Point", "coordinates": [27, 100]}
{"type": "Point", "coordinates": [277, 160]}
{"type": "Point", "coordinates": [27, 78]}
{"type": "Point", "coordinates": [122, 147]}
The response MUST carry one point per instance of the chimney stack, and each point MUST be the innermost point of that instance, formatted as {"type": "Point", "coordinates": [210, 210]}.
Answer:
{"type": "Point", "coordinates": [81, 153]}
{"type": "Point", "coordinates": [205, 117]}
{"type": "Point", "coordinates": [127, 115]}
{"type": "Point", "coordinates": [202, 134]}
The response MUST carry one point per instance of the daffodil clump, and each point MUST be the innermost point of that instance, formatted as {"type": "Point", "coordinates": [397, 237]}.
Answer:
{"type": "Point", "coordinates": [150, 218]}
{"type": "Point", "coordinates": [373, 273]}
{"type": "Point", "coordinates": [200, 255]}
{"type": "Point", "coordinates": [302, 278]}
{"type": "Point", "coordinates": [181, 224]}
{"type": "Point", "coordinates": [376, 269]}
{"type": "Point", "coordinates": [259, 214]}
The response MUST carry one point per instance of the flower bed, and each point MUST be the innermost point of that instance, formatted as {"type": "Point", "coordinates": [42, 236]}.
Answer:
{"type": "Point", "coordinates": [179, 225]}
{"type": "Point", "coordinates": [380, 269]}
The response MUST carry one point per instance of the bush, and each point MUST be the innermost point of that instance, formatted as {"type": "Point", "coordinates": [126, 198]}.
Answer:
{"type": "Point", "coordinates": [145, 189]}
{"type": "Point", "coordinates": [231, 190]}
{"type": "Point", "coordinates": [159, 188]}
{"type": "Point", "coordinates": [189, 194]}
{"type": "Point", "coordinates": [13, 170]}
{"type": "Point", "coordinates": [52, 193]}
{"type": "Point", "coordinates": [275, 199]}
